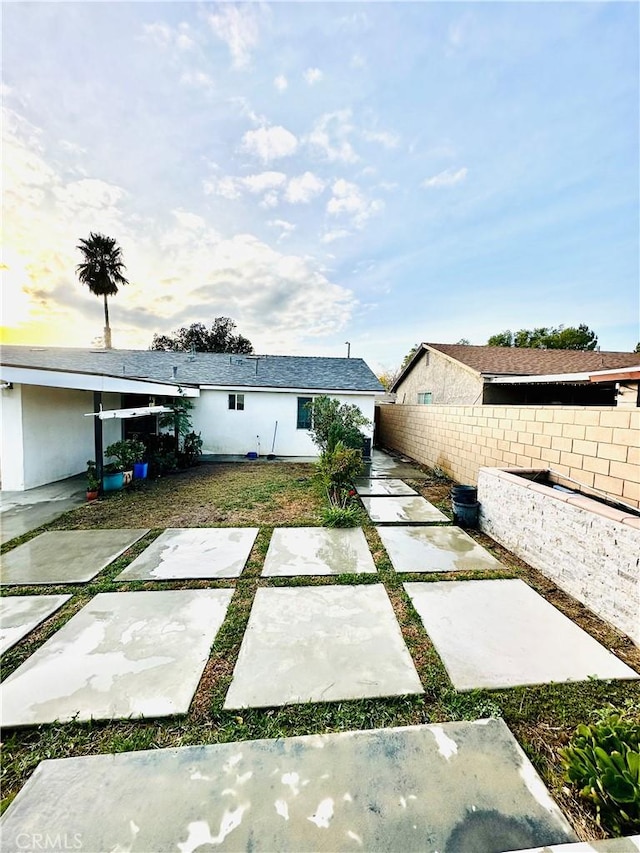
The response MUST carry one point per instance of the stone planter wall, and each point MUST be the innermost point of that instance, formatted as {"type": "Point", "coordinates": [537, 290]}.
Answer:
{"type": "Point", "coordinates": [588, 549]}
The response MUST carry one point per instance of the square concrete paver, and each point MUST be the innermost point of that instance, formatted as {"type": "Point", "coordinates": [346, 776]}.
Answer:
{"type": "Point", "coordinates": [20, 614]}
{"type": "Point", "coordinates": [317, 551]}
{"type": "Point", "coordinates": [194, 552]}
{"type": "Point", "coordinates": [501, 633]}
{"type": "Point", "coordinates": [381, 487]}
{"type": "Point", "coordinates": [65, 556]}
{"type": "Point", "coordinates": [384, 465]}
{"type": "Point", "coordinates": [463, 787]}
{"type": "Point", "coordinates": [321, 644]}
{"type": "Point", "coordinates": [126, 654]}
{"type": "Point", "coordinates": [403, 510]}
{"type": "Point", "coordinates": [434, 549]}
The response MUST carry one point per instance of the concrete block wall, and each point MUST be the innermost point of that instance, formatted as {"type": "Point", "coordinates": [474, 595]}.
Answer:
{"type": "Point", "coordinates": [590, 550]}
{"type": "Point", "coordinates": [597, 446]}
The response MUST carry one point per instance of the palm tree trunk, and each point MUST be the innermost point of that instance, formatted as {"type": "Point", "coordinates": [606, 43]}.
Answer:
{"type": "Point", "coordinates": [107, 329]}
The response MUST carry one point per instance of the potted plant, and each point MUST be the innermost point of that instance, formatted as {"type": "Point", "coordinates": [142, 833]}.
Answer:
{"type": "Point", "coordinates": [93, 482]}
{"type": "Point", "coordinates": [125, 453]}
{"type": "Point", "coordinates": [140, 465]}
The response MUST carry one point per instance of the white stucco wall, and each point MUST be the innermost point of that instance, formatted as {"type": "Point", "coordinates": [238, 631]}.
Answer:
{"type": "Point", "coordinates": [45, 436]}
{"type": "Point", "coordinates": [228, 431]}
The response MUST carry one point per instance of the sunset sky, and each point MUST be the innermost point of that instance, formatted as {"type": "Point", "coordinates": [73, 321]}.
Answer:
{"type": "Point", "coordinates": [381, 173]}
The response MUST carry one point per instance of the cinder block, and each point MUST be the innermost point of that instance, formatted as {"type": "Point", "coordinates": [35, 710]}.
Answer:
{"type": "Point", "coordinates": [615, 452]}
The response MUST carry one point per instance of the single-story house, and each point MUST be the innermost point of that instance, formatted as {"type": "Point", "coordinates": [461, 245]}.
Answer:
{"type": "Point", "coordinates": [458, 374]}
{"type": "Point", "coordinates": [240, 402]}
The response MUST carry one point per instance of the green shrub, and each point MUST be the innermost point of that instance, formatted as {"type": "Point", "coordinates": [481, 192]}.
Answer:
{"type": "Point", "coordinates": [191, 449]}
{"type": "Point", "coordinates": [333, 422]}
{"type": "Point", "coordinates": [340, 516]}
{"type": "Point", "coordinates": [126, 453]}
{"type": "Point", "coordinates": [336, 470]}
{"type": "Point", "coordinates": [603, 760]}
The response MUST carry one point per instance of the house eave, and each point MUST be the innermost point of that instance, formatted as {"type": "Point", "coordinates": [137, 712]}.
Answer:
{"type": "Point", "coordinates": [290, 390]}
{"type": "Point", "coordinates": [93, 382]}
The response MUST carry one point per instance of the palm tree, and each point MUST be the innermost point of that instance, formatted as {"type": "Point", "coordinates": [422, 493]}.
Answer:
{"type": "Point", "coordinates": [102, 271]}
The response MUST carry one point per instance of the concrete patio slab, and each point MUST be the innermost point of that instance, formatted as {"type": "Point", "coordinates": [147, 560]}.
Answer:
{"type": "Point", "coordinates": [401, 510]}
{"type": "Point", "coordinates": [317, 551]}
{"type": "Point", "coordinates": [193, 552]}
{"type": "Point", "coordinates": [630, 844]}
{"type": "Point", "coordinates": [501, 633]}
{"type": "Point", "coordinates": [384, 465]}
{"type": "Point", "coordinates": [463, 787]}
{"type": "Point", "coordinates": [20, 614]}
{"type": "Point", "coordinates": [381, 487]}
{"type": "Point", "coordinates": [21, 512]}
{"type": "Point", "coordinates": [126, 654]}
{"type": "Point", "coordinates": [434, 549]}
{"type": "Point", "coordinates": [65, 556]}
{"type": "Point", "coordinates": [321, 644]}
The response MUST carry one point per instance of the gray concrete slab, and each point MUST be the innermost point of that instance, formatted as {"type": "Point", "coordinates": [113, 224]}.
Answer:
{"type": "Point", "coordinates": [65, 556]}
{"type": "Point", "coordinates": [126, 654]}
{"type": "Point", "coordinates": [630, 844]}
{"type": "Point", "coordinates": [403, 510]}
{"type": "Point", "coordinates": [384, 465]}
{"type": "Point", "coordinates": [20, 614]}
{"type": "Point", "coordinates": [21, 512]}
{"type": "Point", "coordinates": [317, 551]}
{"type": "Point", "coordinates": [321, 644]}
{"type": "Point", "coordinates": [434, 549]}
{"type": "Point", "coordinates": [193, 552]}
{"type": "Point", "coordinates": [501, 633]}
{"type": "Point", "coordinates": [381, 487]}
{"type": "Point", "coordinates": [463, 787]}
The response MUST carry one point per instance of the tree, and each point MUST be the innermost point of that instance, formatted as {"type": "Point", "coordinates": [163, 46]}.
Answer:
{"type": "Point", "coordinates": [546, 337]}
{"type": "Point", "coordinates": [102, 270]}
{"type": "Point", "coordinates": [219, 338]}
{"type": "Point", "coordinates": [637, 349]}
{"type": "Point", "coordinates": [409, 356]}
{"type": "Point", "coordinates": [388, 377]}
{"type": "Point", "coordinates": [333, 422]}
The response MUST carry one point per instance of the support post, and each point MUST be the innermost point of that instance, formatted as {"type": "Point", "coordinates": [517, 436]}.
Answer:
{"type": "Point", "coordinates": [97, 436]}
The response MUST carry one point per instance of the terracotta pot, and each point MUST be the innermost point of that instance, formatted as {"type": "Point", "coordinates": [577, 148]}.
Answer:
{"type": "Point", "coordinates": [92, 494]}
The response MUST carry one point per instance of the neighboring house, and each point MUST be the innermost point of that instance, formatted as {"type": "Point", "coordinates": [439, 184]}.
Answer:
{"type": "Point", "coordinates": [237, 402]}
{"type": "Point", "coordinates": [457, 374]}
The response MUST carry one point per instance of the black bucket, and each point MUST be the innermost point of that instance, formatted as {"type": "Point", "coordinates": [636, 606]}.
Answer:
{"type": "Point", "coordinates": [464, 494]}
{"type": "Point", "coordinates": [466, 514]}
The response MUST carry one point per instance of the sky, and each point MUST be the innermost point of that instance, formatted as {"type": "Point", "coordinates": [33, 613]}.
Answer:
{"type": "Point", "coordinates": [378, 173]}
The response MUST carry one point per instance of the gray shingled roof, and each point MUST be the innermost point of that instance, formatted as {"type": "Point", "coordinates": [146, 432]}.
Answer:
{"type": "Point", "coordinates": [265, 371]}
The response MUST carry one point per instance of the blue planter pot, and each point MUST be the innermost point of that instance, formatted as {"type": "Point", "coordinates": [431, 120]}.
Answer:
{"type": "Point", "coordinates": [112, 482]}
{"type": "Point", "coordinates": [140, 470]}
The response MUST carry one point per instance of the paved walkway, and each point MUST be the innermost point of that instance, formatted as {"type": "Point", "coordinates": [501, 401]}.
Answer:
{"type": "Point", "coordinates": [21, 512]}
{"type": "Point", "coordinates": [142, 654]}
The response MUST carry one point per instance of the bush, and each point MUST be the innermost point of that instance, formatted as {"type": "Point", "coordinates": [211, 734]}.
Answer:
{"type": "Point", "coordinates": [340, 516]}
{"type": "Point", "coordinates": [603, 760]}
{"type": "Point", "coordinates": [336, 470]}
{"type": "Point", "coordinates": [332, 422]}
{"type": "Point", "coordinates": [191, 449]}
{"type": "Point", "coordinates": [126, 453]}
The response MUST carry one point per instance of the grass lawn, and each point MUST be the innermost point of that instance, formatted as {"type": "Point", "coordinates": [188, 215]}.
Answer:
{"type": "Point", "coordinates": [273, 494]}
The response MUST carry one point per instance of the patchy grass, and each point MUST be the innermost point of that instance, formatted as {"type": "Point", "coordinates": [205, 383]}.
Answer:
{"type": "Point", "coordinates": [280, 494]}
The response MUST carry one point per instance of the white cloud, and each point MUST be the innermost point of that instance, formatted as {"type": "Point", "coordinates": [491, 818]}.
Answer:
{"type": "Point", "coordinates": [264, 181]}
{"type": "Point", "coordinates": [448, 178]}
{"type": "Point", "coordinates": [88, 192]}
{"type": "Point", "coordinates": [348, 199]}
{"type": "Point", "coordinates": [269, 200]}
{"type": "Point", "coordinates": [197, 79]}
{"type": "Point", "coordinates": [384, 137]}
{"type": "Point", "coordinates": [281, 83]}
{"type": "Point", "coordinates": [188, 220]}
{"type": "Point", "coordinates": [286, 228]}
{"type": "Point", "coordinates": [313, 76]}
{"type": "Point", "coordinates": [337, 234]}
{"type": "Point", "coordinates": [358, 61]}
{"type": "Point", "coordinates": [227, 187]}
{"type": "Point", "coordinates": [269, 143]}
{"type": "Point", "coordinates": [164, 36]}
{"type": "Point", "coordinates": [304, 188]}
{"type": "Point", "coordinates": [329, 135]}
{"type": "Point", "coordinates": [237, 26]}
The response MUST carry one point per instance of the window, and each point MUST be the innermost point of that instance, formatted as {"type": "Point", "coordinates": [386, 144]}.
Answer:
{"type": "Point", "coordinates": [304, 413]}
{"type": "Point", "coordinates": [236, 401]}
{"type": "Point", "coordinates": [424, 399]}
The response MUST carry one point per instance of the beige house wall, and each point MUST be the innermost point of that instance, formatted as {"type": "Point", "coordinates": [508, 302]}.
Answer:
{"type": "Point", "coordinates": [449, 382]}
{"type": "Point", "coordinates": [597, 446]}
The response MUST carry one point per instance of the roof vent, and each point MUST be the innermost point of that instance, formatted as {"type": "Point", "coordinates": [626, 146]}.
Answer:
{"type": "Point", "coordinates": [175, 370]}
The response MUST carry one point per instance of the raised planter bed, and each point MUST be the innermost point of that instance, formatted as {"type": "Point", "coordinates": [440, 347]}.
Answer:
{"type": "Point", "coordinates": [590, 548]}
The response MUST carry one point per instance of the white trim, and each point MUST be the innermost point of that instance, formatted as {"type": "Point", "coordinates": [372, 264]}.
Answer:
{"type": "Point", "coordinates": [537, 379]}
{"type": "Point", "coordinates": [93, 382]}
{"type": "Point", "coordinates": [273, 390]}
